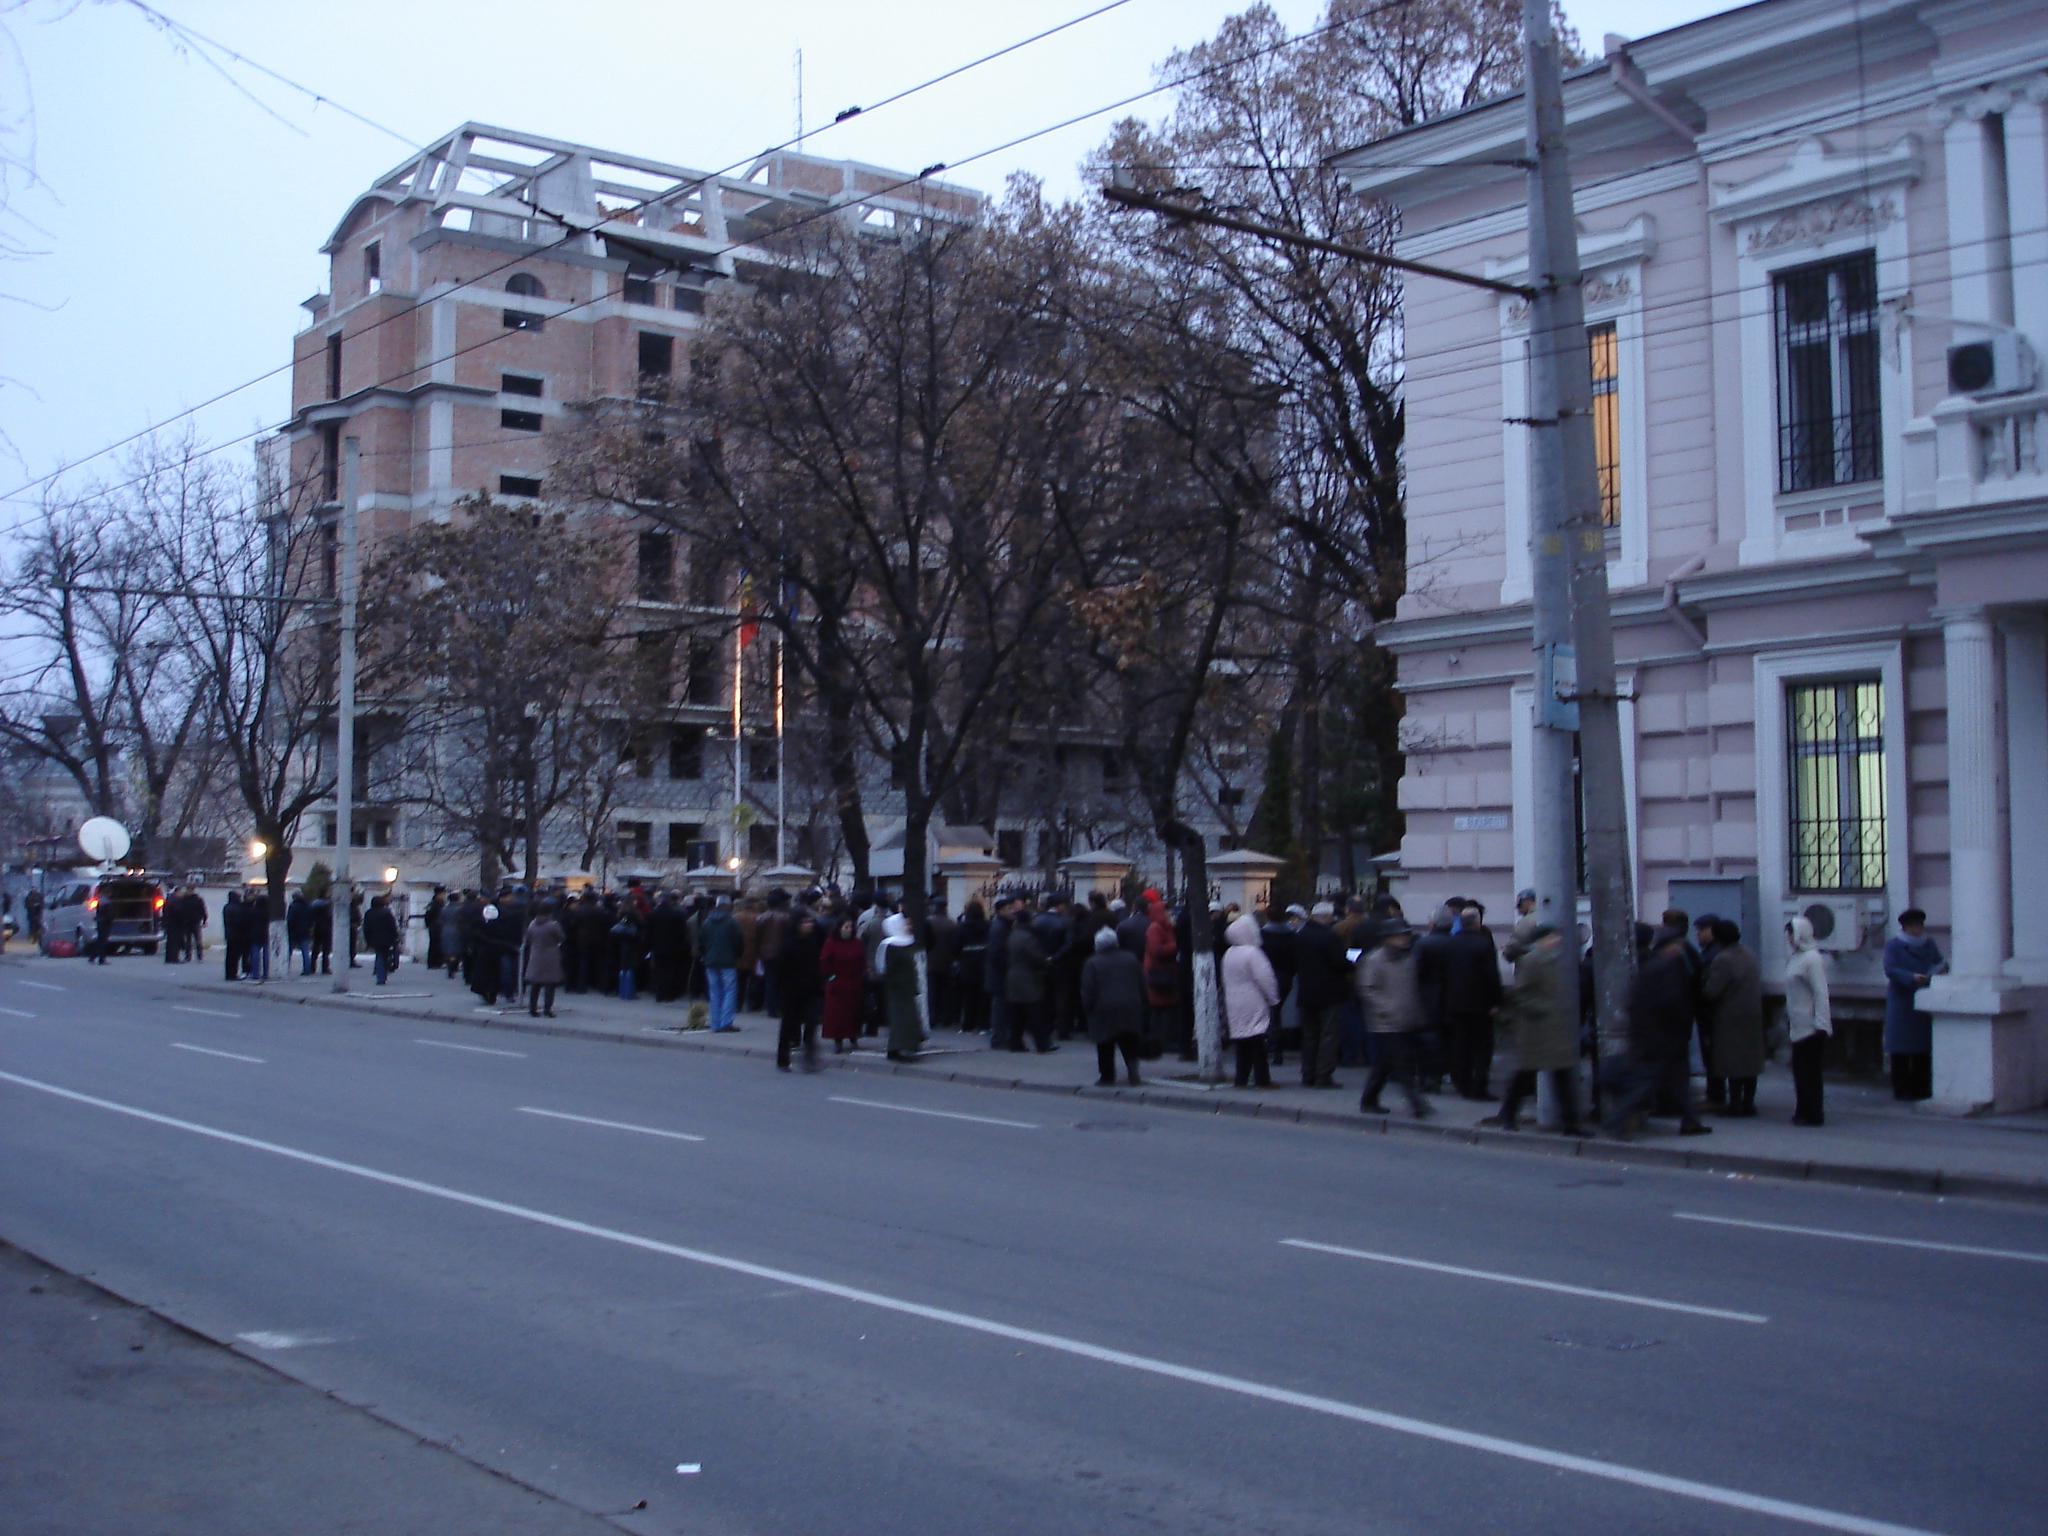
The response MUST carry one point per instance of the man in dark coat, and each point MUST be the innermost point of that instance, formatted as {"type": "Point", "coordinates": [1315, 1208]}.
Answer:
{"type": "Point", "coordinates": [298, 930]}
{"type": "Point", "coordinates": [943, 949]}
{"type": "Point", "coordinates": [1027, 981]}
{"type": "Point", "coordinates": [234, 933]}
{"type": "Point", "coordinates": [668, 948]}
{"type": "Point", "coordinates": [1467, 973]}
{"type": "Point", "coordinates": [435, 908]}
{"type": "Point", "coordinates": [1277, 939]}
{"type": "Point", "coordinates": [380, 937]}
{"type": "Point", "coordinates": [995, 975]}
{"type": "Point", "coordinates": [1113, 1006]}
{"type": "Point", "coordinates": [1324, 978]}
{"type": "Point", "coordinates": [1660, 1021]}
{"type": "Point", "coordinates": [320, 919]}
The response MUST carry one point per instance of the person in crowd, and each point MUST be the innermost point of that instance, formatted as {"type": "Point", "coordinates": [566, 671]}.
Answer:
{"type": "Point", "coordinates": [320, 923]}
{"type": "Point", "coordinates": [1733, 990]}
{"type": "Point", "coordinates": [256, 919]}
{"type": "Point", "coordinates": [1054, 926]}
{"type": "Point", "coordinates": [899, 950]}
{"type": "Point", "coordinates": [843, 967]}
{"type": "Point", "coordinates": [630, 944]}
{"type": "Point", "coordinates": [479, 960]}
{"type": "Point", "coordinates": [234, 935]}
{"type": "Point", "coordinates": [380, 937]}
{"type": "Point", "coordinates": [1466, 971]}
{"type": "Point", "coordinates": [1251, 991]}
{"type": "Point", "coordinates": [1809, 1021]}
{"type": "Point", "coordinates": [1132, 927]}
{"type": "Point", "coordinates": [436, 905]}
{"type": "Point", "coordinates": [942, 965]}
{"type": "Point", "coordinates": [450, 928]}
{"type": "Point", "coordinates": [1703, 951]}
{"type": "Point", "coordinates": [1390, 996]}
{"type": "Point", "coordinates": [770, 928]}
{"type": "Point", "coordinates": [1429, 972]}
{"type": "Point", "coordinates": [1660, 1014]}
{"type": "Point", "coordinates": [503, 928]}
{"type": "Point", "coordinates": [668, 948]}
{"type": "Point", "coordinates": [355, 924]}
{"type": "Point", "coordinates": [593, 938]}
{"type": "Point", "coordinates": [1028, 984]}
{"type": "Point", "coordinates": [1544, 1029]}
{"type": "Point", "coordinates": [799, 989]}
{"type": "Point", "coordinates": [1911, 960]}
{"type": "Point", "coordinates": [1113, 1006]}
{"type": "Point", "coordinates": [721, 943]}
{"type": "Point", "coordinates": [298, 930]}
{"type": "Point", "coordinates": [1278, 938]}
{"type": "Point", "coordinates": [970, 968]}
{"type": "Point", "coordinates": [995, 976]}
{"type": "Point", "coordinates": [541, 960]}
{"type": "Point", "coordinates": [32, 911]}
{"type": "Point", "coordinates": [1325, 979]}
{"type": "Point", "coordinates": [746, 913]}
{"type": "Point", "coordinates": [1162, 978]}
{"type": "Point", "coordinates": [103, 931]}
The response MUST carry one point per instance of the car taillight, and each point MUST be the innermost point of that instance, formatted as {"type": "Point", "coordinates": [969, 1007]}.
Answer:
{"type": "Point", "coordinates": [92, 903]}
{"type": "Point", "coordinates": [159, 901]}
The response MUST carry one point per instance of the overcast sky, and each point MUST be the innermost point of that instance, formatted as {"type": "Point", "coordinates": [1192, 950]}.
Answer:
{"type": "Point", "coordinates": [178, 223]}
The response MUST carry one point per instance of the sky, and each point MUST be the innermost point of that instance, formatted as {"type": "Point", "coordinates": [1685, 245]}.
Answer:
{"type": "Point", "coordinates": [177, 207]}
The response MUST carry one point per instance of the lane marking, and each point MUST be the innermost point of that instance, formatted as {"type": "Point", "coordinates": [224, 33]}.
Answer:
{"type": "Point", "coordinates": [481, 1050]}
{"type": "Point", "coordinates": [1868, 1237]}
{"type": "Point", "coordinates": [44, 986]}
{"type": "Point", "coordinates": [179, 1045]}
{"type": "Point", "coordinates": [940, 1114]}
{"type": "Point", "coordinates": [211, 1013]}
{"type": "Point", "coordinates": [16, 1013]}
{"type": "Point", "coordinates": [1514, 1450]}
{"type": "Point", "coordinates": [616, 1125]}
{"type": "Point", "coordinates": [1536, 1285]}
{"type": "Point", "coordinates": [266, 1340]}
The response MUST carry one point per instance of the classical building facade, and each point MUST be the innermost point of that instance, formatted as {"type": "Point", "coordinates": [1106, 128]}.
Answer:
{"type": "Point", "coordinates": [1815, 237]}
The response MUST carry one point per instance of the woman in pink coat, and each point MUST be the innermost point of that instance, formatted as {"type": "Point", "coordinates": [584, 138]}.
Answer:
{"type": "Point", "coordinates": [1251, 991]}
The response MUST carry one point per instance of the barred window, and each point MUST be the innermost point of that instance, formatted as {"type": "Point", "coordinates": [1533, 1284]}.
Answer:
{"type": "Point", "coordinates": [1828, 418]}
{"type": "Point", "coordinates": [1602, 342]}
{"type": "Point", "coordinates": [1836, 734]}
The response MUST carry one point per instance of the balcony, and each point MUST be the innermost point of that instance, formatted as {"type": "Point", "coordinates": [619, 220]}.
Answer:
{"type": "Point", "coordinates": [1977, 453]}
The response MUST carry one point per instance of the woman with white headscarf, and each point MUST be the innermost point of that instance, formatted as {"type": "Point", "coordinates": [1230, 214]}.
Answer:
{"type": "Point", "coordinates": [896, 959]}
{"type": "Point", "coordinates": [1807, 1019]}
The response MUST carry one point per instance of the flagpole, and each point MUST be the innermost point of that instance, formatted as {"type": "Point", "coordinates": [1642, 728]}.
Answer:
{"type": "Point", "coordinates": [781, 766]}
{"type": "Point", "coordinates": [739, 656]}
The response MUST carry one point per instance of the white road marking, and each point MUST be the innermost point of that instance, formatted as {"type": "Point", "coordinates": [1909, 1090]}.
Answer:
{"type": "Point", "coordinates": [942, 1114]}
{"type": "Point", "coordinates": [481, 1050]}
{"type": "Point", "coordinates": [616, 1125]}
{"type": "Point", "coordinates": [1867, 1237]}
{"type": "Point", "coordinates": [1515, 1450]}
{"type": "Point", "coordinates": [179, 1045]}
{"type": "Point", "coordinates": [1538, 1285]}
{"type": "Point", "coordinates": [263, 1340]}
{"type": "Point", "coordinates": [16, 1013]}
{"type": "Point", "coordinates": [211, 1013]}
{"type": "Point", "coordinates": [43, 986]}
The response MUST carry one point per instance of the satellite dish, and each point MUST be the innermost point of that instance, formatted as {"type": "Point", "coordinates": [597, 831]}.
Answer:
{"type": "Point", "coordinates": [103, 839]}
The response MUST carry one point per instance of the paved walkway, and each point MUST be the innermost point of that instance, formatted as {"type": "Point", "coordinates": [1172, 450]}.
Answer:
{"type": "Point", "coordinates": [1868, 1140]}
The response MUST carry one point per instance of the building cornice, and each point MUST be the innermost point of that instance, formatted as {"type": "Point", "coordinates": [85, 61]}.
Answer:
{"type": "Point", "coordinates": [383, 394]}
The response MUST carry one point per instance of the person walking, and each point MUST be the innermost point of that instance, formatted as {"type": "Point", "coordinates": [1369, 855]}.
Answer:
{"type": "Point", "coordinates": [720, 940]}
{"type": "Point", "coordinates": [1544, 1030]}
{"type": "Point", "coordinates": [1324, 979]}
{"type": "Point", "coordinates": [1733, 990]}
{"type": "Point", "coordinates": [799, 989]}
{"type": "Point", "coordinates": [380, 937]}
{"type": "Point", "coordinates": [540, 961]}
{"type": "Point", "coordinates": [1251, 991]}
{"type": "Point", "coordinates": [32, 911]}
{"type": "Point", "coordinates": [898, 955]}
{"type": "Point", "coordinates": [1809, 1020]}
{"type": "Point", "coordinates": [320, 920]}
{"type": "Point", "coordinates": [1390, 996]}
{"type": "Point", "coordinates": [298, 930]}
{"type": "Point", "coordinates": [1028, 980]}
{"type": "Point", "coordinates": [234, 935]}
{"type": "Point", "coordinates": [843, 968]}
{"type": "Point", "coordinates": [1113, 1006]}
{"type": "Point", "coordinates": [1911, 960]}
{"type": "Point", "coordinates": [1469, 991]}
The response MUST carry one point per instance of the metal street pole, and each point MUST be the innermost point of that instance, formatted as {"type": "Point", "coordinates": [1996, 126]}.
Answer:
{"type": "Point", "coordinates": [345, 700]}
{"type": "Point", "coordinates": [1573, 631]}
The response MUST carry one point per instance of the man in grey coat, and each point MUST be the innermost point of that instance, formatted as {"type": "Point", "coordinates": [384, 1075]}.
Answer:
{"type": "Point", "coordinates": [1391, 996]}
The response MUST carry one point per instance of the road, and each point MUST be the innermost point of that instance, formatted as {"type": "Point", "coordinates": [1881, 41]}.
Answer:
{"type": "Point", "coordinates": [852, 1302]}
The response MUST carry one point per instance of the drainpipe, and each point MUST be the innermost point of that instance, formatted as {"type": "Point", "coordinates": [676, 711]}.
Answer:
{"type": "Point", "coordinates": [1676, 614]}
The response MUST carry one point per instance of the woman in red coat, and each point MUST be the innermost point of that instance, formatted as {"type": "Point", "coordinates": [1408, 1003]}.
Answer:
{"type": "Point", "coordinates": [843, 963]}
{"type": "Point", "coordinates": [1162, 979]}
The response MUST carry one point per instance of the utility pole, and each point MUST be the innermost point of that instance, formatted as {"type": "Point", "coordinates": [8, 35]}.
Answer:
{"type": "Point", "coordinates": [1572, 629]}
{"type": "Point", "coordinates": [345, 699]}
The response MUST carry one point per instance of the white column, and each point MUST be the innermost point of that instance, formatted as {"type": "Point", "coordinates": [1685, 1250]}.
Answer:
{"type": "Point", "coordinates": [2026, 178]}
{"type": "Point", "coordinates": [2026, 749]}
{"type": "Point", "coordinates": [1969, 216]}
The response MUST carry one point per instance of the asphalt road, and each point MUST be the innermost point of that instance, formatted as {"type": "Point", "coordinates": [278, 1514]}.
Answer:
{"type": "Point", "coordinates": [856, 1303]}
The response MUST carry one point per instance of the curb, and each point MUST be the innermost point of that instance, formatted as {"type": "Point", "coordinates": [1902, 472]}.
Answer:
{"type": "Point", "coordinates": [1921, 1181]}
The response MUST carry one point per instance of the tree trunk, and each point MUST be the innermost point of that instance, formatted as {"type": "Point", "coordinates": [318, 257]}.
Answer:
{"type": "Point", "coordinates": [1187, 842]}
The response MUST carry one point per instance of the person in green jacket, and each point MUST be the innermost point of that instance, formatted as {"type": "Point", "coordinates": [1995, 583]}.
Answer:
{"type": "Point", "coordinates": [899, 987]}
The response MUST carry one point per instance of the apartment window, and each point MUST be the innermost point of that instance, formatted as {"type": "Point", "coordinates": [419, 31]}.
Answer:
{"type": "Point", "coordinates": [1827, 335]}
{"type": "Point", "coordinates": [760, 842]}
{"type": "Point", "coordinates": [518, 485]}
{"type": "Point", "coordinates": [1230, 797]}
{"type": "Point", "coordinates": [761, 759]}
{"type": "Point", "coordinates": [334, 366]}
{"type": "Point", "coordinates": [682, 836]}
{"type": "Point", "coordinates": [1010, 849]}
{"type": "Point", "coordinates": [689, 300]}
{"type": "Point", "coordinates": [635, 839]}
{"type": "Point", "coordinates": [330, 461]}
{"type": "Point", "coordinates": [330, 559]}
{"type": "Point", "coordinates": [520, 384]}
{"type": "Point", "coordinates": [519, 421]}
{"type": "Point", "coordinates": [657, 565]}
{"type": "Point", "coordinates": [373, 266]}
{"type": "Point", "coordinates": [657, 355]}
{"type": "Point", "coordinates": [1606, 351]}
{"type": "Point", "coordinates": [640, 288]}
{"type": "Point", "coordinates": [522, 320]}
{"type": "Point", "coordinates": [370, 834]}
{"type": "Point", "coordinates": [686, 752]}
{"type": "Point", "coordinates": [526, 285]}
{"type": "Point", "coordinates": [1112, 771]}
{"type": "Point", "coordinates": [707, 577]}
{"type": "Point", "coordinates": [706, 676]}
{"type": "Point", "coordinates": [1835, 734]}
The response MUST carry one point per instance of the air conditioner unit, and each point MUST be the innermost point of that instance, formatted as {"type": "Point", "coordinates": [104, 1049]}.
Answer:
{"type": "Point", "coordinates": [2001, 364]}
{"type": "Point", "coordinates": [1837, 921]}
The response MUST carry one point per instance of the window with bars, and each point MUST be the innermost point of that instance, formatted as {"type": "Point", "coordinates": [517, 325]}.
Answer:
{"type": "Point", "coordinates": [1827, 335]}
{"type": "Point", "coordinates": [1835, 733]}
{"type": "Point", "coordinates": [1605, 348]}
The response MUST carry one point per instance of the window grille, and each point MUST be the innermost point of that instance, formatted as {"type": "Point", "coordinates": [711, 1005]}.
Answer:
{"type": "Point", "coordinates": [1601, 341]}
{"type": "Point", "coordinates": [1828, 417]}
{"type": "Point", "coordinates": [1836, 736]}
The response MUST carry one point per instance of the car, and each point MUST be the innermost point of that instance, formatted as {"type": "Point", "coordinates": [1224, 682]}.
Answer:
{"type": "Point", "coordinates": [72, 913]}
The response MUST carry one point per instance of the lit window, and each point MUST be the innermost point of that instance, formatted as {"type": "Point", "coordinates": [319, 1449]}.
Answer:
{"type": "Point", "coordinates": [1828, 417]}
{"type": "Point", "coordinates": [1836, 732]}
{"type": "Point", "coordinates": [1607, 418]}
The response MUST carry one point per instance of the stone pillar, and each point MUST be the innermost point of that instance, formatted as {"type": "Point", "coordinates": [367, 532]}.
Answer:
{"type": "Point", "coordinates": [1966, 152]}
{"type": "Point", "coordinates": [2026, 749]}
{"type": "Point", "coordinates": [1981, 1058]}
{"type": "Point", "coordinates": [2026, 180]}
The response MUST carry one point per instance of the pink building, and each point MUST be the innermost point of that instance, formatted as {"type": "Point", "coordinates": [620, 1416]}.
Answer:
{"type": "Point", "coordinates": [1815, 235]}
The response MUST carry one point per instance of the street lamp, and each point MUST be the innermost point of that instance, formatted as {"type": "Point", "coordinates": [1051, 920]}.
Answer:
{"type": "Point", "coordinates": [391, 874]}
{"type": "Point", "coordinates": [258, 848]}
{"type": "Point", "coordinates": [733, 863]}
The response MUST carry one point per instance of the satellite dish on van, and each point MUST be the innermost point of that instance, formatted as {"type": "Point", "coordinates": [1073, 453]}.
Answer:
{"type": "Point", "coordinates": [103, 839]}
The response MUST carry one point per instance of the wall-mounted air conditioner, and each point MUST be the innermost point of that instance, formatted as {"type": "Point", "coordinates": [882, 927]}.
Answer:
{"type": "Point", "coordinates": [1999, 364]}
{"type": "Point", "coordinates": [1837, 920]}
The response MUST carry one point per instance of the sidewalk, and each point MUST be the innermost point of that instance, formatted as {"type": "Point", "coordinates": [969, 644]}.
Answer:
{"type": "Point", "coordinates": [1869, 1140]}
